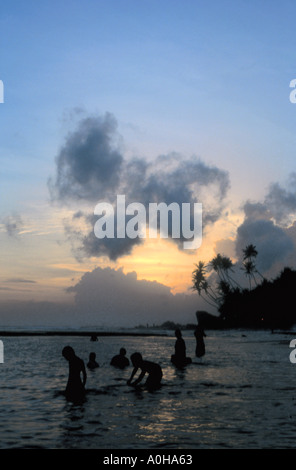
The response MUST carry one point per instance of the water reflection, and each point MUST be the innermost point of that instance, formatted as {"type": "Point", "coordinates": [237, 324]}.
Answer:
{"type": "Point", "coordinates": [242, 395]}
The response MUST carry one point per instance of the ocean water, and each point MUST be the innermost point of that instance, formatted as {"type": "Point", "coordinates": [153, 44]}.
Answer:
{"type": "Point", "coordinates": [240, 395]}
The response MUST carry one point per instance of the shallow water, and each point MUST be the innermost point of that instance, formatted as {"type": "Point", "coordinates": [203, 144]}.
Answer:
{"type": "Point", "coordinates": [241, 394]}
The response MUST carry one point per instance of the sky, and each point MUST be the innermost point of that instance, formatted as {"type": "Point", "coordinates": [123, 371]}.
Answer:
{"type": "Point", "coordinates": [161, 101]}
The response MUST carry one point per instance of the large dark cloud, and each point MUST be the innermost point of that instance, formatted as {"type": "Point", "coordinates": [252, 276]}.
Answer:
{"type": "Point", "coordinates": [90, 167]}
{"type": "Point", "coordinates": [89, 164]}
{"type": "Point", "coordinates": [172, 178]}
{"type": "Point", "coordinates": [88, 245]}
{"type": "Point", "coordinates": [281, 201]}
{"type": "Point", "coordinates": [267, 225]}
{"type": "Point", "coordinates": [271, 241]}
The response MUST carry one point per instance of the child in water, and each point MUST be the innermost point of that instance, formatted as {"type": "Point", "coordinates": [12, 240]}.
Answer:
{"type": "Point", "coordinates": [151, 368]}
{"type": "Point", "coordinates": [120, 360]}
{"type": "Point", "coordinates": [75, 390]}
{"type": "Point", "coordinates": [92, 363]}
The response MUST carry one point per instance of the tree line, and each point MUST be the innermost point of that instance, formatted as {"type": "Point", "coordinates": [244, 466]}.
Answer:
{"type": "Point", "coordinates": [263, 304]}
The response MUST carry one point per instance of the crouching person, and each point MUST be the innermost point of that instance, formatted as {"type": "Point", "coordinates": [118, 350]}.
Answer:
{"type": "Point", "coordinates": [153, 370]}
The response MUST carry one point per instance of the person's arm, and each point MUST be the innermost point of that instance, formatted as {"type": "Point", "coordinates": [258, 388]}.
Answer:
{"type": "Point", "coordinates": [133, 374]}
{"type": "Point", "coordinates": [84, 375]}
{"type": "Point", "coordinates": [139, 378]}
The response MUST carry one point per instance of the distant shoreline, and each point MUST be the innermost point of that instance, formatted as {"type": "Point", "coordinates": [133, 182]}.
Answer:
{"type": "Point", "coordinates": [90, 334]}
{"type": "Point", "coordinates": [78, 333]}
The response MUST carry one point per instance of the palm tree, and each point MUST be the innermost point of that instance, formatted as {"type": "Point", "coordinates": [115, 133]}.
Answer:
{"type": "Point", "coordinates": [198, 277]}
{"type": "Point", "coordinates": [250, 269]}
{"type": "Point", "coordinates": [222, 265]}
{"type": "Point", "coordinates": [216, 264]}
{"type": "Point", "coordinates": [250, 252]}
{"type": "Point", "coordinates": [200, 284]}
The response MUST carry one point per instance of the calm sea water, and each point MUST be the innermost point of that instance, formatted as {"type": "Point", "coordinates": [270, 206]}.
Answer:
{"type": "Point", "coordinates": [242, 394]}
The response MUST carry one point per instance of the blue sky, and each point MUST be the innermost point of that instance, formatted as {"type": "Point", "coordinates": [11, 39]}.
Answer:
{"type": "Point", "coordinates": [204, 78]}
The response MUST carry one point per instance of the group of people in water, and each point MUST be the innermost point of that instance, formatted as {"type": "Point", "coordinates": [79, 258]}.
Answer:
{"type": "Point", "coordinates": [75, 389]}
{"type": "Point", "coordinates": [180, 359]}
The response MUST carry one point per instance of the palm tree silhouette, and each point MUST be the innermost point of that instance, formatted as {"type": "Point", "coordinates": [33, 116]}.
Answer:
{"type": "Point", "coordinates": [200, 284]}
{"type": "Point", "coordinates": [249, 266]}
{"type": "Point", "coordinates": [222, 265]}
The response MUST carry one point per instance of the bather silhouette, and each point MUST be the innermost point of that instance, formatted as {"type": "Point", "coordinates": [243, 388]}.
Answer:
{"type": "Point", "coordinates": [179, 359]}
{"type": "Point", "coordinates": [92, 363]}
{"type": "Point", "coordinates": [153, 370]}
{"type": "Point", "coordinates": [120, 360]}
{"type": "Point", "coordinates": [75, 389]}
{"type": "Point", "coordinates": [199, 334]}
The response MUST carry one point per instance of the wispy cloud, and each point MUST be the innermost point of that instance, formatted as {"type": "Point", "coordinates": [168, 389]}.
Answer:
{"type": "Point", "coordinates": [19, 280]}
{"type": "Point", "coordinates": [13, 225]}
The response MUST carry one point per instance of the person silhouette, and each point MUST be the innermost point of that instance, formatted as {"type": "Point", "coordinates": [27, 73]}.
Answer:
{"type": "Point", "coordinates": [75, 389]}
{"type": "Point", "coordinates": [120, 360]}
{"type": "Point", "coordinates": [92, 363]}
{"type": "Point", "coordinates": [153, 370]}
{"type": "Point", "coordinates": [180, 359]}
{"type": "Point", "coordinates": [199, 334]}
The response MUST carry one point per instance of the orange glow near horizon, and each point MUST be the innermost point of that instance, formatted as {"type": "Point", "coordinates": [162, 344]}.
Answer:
{"type": "Point", "coordinates": [155, 259]}
{"type": "Point", "coordinates": [160, 260]}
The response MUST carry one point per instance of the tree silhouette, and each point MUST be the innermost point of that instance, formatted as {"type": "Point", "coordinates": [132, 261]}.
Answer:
{"type": "Point", "coordinates": [249, 266]}
{"type": "Point", "coordinates": [200, 284]}
{"type": "Point", "coordinates": [250, 252]}
{"type": "Point", "coordinates": [221, 265]}
{"type": "Point", "coordinates": [269, 304]}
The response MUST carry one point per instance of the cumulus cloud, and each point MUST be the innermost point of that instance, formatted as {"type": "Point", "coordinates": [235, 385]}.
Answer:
{"type": "Point", "coordinates": [132, 302]}
{"type": "Point", "coordinates": [89, 163]}
{"type": "Point", "coordinates": [86, 245]}
{"type": "Point", "coordinates": [271, 241]}
{"type": "Point", "coordinates": [281, 201]}
{"type": "Point", "coordinates": [172, 178]}
{"type": "Point", "coordinates": [106, 298]}
{"type": "Point", "coordinates": [90, 167]}
{"type": "Point", "coordinates": [269, 226]}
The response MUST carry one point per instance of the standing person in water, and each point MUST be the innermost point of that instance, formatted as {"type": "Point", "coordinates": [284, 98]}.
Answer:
{"type": "Point", "coordinates": [179, 359]}
{"type": "Point", "coordinates": [151, 368]}
{"type": "Point", "coordinates": [75, 389]}
{"type": "Point", "coordinates": [199, 334]}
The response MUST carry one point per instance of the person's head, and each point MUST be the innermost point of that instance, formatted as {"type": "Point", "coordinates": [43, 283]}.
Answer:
{"type": "Point", "coordinates": [136, 359]}
{"type": "Point", "coordinates": [68, 352]}
{"type": "Point", "coordinates": [178, 333]}
{"type": "Point", "coordinates": [122, 351]}
{"type": "Point", "coordinates": [92, 356]}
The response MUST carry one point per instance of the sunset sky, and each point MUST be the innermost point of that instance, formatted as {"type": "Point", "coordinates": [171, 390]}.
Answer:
{"type": "Point", "coordinates": [184, 101]}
